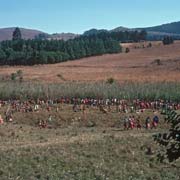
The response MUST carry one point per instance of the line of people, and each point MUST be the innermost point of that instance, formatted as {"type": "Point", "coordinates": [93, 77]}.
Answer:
{"type": "Point", "coordinates": [131, 122]}
{"type": "Point", "coordinates": [121, 104]}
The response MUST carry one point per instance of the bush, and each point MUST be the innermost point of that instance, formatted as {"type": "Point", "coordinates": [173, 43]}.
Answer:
{"type": "Point", "coordinates": [110, 81]}
{"type": "Point", "coordinates": [127, 50]}
{"type": "Point", "coordinates": [158, 62]}
{"type": "Point", "coordinates": [19, 73]}
{"type": "Point", "coordinates": [168, 40]}
{"type": "Point", "coordinates": [13, 76]}
{"type": "Point", "coordinates": [170, 141]}
{"type": "Point", "coordinates": [149, 45]}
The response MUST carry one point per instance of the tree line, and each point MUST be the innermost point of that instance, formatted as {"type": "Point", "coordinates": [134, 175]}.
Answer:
{"type": "Point", "coordinates": [121, 36]}
{"type": "Point", "coordinates": [40, 51]}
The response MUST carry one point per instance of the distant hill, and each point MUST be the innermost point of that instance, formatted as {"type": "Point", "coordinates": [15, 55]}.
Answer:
{"type": "Point", "coordinates": [121, 28]}
{"type": "Point", "coordinates": [94, 31]}
{"type": "Point", "coordinates": [173, 28]}
{"type": "Point", "coordinates": [63, 36]}
{"type": "Point", "coordinates": [6, 34]}
{"type": "Point", "coordinates": [157, 32]}
{"type": "Point", "coordinates": [154, 33]}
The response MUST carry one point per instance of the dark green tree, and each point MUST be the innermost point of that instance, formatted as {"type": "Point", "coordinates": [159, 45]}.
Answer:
{"type": "Point", "coordinates": [2, 57]}
{"type": "Point", "coordinates": [168, 40]}
{"type": "Point", "coordinates": [16, 34]}
{"type": "Point", "coordinates": [169, 141]}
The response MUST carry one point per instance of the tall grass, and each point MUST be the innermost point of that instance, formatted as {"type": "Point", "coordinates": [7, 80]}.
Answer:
{"type": "Point", "coordinates": [127, 90]}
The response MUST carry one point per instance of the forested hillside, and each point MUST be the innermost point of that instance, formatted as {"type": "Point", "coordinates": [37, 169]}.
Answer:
{"type": "Point", "coordinates": [38, 51]}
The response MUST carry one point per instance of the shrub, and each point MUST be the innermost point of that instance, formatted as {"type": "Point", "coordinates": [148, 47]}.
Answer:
{"type": "Point", "coordinates": [157, 62]}
{"type": "Point", "coordinates": [170, 141]}
{"type": "Point", "coordinates": [110, 81]}
{"type": "Point", "coordinates": [149, 45]}
{"type": "Point", "coordinates": [13, 76]}
{"type": "Point", "coordinates": [168, 40]}
{"type": "Point", "coordinates": [19, 73]}
{"type": "Point", "coordinates": [127, 50]}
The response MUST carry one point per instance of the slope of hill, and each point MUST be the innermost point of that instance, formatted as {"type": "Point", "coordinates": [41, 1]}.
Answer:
{"type": "Point", "coordinates": [139, 65]}
{"type": "Point", "coordinates": [120, 28]}
{"type": "Point", "coordinates": [6, 33]}
{"type": "Point", "coordinates": [173, 28]}
{"type": "Point", "coordinates": [94, 31]}
{"type": "Point", "coordinates": [63, 36]}
{"type": "Point", "coordinates": [157, 32]}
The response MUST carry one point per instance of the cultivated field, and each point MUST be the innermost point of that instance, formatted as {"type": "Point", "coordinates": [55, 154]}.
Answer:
{"type": "Point", "coordinates": [140, 64]}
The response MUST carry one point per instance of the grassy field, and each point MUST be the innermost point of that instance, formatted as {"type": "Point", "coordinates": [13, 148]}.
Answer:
{"type": "Point", "coordinates": [91, 145]}
{"type": "Point", "coordinates": [138, 65]}
{"type": "Point", "coordinates": [78, 147]}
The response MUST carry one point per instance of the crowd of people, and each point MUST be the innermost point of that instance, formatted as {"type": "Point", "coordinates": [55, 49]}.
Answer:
{"type": "Point", "coordinates": [131, 122]}
{"type": "Point", "coordinates": [104, 105]}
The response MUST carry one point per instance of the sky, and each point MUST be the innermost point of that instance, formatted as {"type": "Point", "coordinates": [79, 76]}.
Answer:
{"type": "Point", "coordinates": [77, 16]}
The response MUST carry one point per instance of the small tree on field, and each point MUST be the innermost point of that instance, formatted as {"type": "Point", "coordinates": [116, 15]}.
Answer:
{"type": "Point", "coordinates": [158, 62]}
{"type": "Point", "coordinates": [170, 141]}
{"type": "Point", "coordinates": [13, 76]}
{"type": "Point", "coordinates": [127, 50]}
{"type": "Point", "coordinates": [149, 45]}
{"type": "Point", "coordinates": [110, 80]}
{"type": "Point", "coordinates": [18, 74]}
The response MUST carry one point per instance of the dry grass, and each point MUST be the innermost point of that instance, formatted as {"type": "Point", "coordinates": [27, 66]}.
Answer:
{"type": "Point", "coordinates": [133, 66]}
{"type": "Point", "coordinates": [75, 151]}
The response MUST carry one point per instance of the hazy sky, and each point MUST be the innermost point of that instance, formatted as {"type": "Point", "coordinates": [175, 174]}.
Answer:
{"type": "Point", "coordinates": [79, 15]}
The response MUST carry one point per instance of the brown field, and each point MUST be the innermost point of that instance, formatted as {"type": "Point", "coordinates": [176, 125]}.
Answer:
{"type": "Point", "coordinates": [137, 65]}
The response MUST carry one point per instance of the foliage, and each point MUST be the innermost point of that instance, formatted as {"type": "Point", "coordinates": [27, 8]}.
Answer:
{"type": "Point", "coordinates": [41, 51]}
{"type": "Point", "coordinates": [168, 40]}
{"type": "Point", "coordinates": [13, 76]}
{"type": "Point", "coordinates": [18, 74]}
{"type": "Point", "coordinates": [157, 62]}
{"type": "Point", "coordinates": [122, 36]}
{"type": "Point", "coordinates": [30, 52]}
{"type": "Point", "coordinates": [129, 90]}
{"type": "Point", "coordinates": [170, 141]}
{"type": "Point", "coordinates": [16, 34]}
{"type": "Point", "coordinates": [127, 50]}
{"type": "Point", "coordinates": [110, 80]}
{"type": "Point", "coordinates": [149, 45]}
